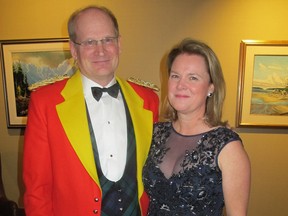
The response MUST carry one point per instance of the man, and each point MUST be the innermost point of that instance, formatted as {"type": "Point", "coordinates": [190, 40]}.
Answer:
{"type": "Point", "coordinates": [83, 153]}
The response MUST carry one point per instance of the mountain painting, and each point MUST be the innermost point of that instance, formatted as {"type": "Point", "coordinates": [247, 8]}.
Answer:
{"type": "Point", "coordinates": [33, 67]}
{"type": "Point", "coordinates": [270, 85]}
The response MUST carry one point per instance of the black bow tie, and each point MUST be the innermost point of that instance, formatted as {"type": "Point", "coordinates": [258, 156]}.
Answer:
{"type": "Point", "coordinates": [112, 91]}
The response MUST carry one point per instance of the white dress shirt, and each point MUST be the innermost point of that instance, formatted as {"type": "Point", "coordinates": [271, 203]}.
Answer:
{"type": "Point", "coordinates": [109, 124]}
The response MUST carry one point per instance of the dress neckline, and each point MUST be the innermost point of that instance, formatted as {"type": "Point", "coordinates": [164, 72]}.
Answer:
{"type": "Point", "coordinates": [194, 135]}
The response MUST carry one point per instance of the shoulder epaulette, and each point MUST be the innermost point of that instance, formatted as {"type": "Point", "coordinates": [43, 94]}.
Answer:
{"type": "Point", "coordinates": [36, 85]}
{"type": "Point", "coordinates": [144, 83]}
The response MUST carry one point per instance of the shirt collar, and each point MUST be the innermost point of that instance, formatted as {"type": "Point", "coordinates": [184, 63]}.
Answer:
{"type": "Point", "coordinates": [88, 83]}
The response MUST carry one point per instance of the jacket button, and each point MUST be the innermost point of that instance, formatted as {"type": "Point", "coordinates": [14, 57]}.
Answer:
{"type": "Point", "coordinates": [95, 211]}
{"type": "Point", "coordinates": [96, 200]}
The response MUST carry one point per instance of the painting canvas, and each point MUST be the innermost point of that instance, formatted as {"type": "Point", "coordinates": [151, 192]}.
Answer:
{"type": "Point", "coordinates": [270, 85]}
{"type": "Point", "coordinates": [263, 84]}
{"type": "Point", "coordinates": [28, 65]}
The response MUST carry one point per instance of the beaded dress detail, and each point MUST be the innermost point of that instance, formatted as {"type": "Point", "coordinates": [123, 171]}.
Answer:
{"type": "Point", "coordinates": [188, 181]}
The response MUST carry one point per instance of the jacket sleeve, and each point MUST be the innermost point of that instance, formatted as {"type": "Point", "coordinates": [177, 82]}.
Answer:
{"type": "Point", "coordinates": [37, 174]}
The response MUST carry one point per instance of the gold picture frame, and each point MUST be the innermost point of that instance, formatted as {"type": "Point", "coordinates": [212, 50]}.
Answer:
{"type": "Point", "coordinates": [263, 84]}
{"type": "Point", "coordinates": [30, 63]}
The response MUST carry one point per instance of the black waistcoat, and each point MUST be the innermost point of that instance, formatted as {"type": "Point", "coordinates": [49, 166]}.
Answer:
{"type": "Point", "coordinates": [121, 197]}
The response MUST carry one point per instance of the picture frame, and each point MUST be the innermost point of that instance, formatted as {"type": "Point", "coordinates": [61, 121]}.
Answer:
{"type": "Point", "coordinates": [263, 84]}
{"type": "Point", "coordinates": [27, 65]}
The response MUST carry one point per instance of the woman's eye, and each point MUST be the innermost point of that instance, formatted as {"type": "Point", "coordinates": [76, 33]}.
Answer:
{"type": "Point", "coordinates": [193, 78]}
{"type": "Point", "coordinates": [173, 76]}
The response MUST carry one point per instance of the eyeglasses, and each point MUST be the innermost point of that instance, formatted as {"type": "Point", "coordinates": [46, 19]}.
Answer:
{"type": "Point", "coordinates": [107, 41]}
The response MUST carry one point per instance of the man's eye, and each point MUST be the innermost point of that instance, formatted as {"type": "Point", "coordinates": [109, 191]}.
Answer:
{"type": "Point", "coordinates": [89, 42]}
{"type": "Point", "coordinates": [108, 40]}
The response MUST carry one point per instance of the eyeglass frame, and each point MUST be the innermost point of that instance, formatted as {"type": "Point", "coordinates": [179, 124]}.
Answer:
{"type": "Point", "coordinates": [94, 43]}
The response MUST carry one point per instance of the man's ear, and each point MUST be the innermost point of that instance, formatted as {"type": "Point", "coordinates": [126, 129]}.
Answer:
{"type": "Point", "coordinates": [73, 50]}
{"type": "Point", "coordinates": [119, 44]}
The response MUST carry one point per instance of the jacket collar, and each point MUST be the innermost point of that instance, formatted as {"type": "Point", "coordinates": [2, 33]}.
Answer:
{"type": "Point", "coordinates": [73, 116]}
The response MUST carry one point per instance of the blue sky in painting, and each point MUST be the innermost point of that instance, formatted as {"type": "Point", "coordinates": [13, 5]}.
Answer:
{"type": "Point", "coordinates": [40, 59]}
{"type": "Point", "coordinates": [38, 66]}
{"type": "Point", "coordinates": [270, 71]}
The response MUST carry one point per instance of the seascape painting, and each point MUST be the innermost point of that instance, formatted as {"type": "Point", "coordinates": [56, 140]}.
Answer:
{"type": "Point", "coordinates": [270, 85]}
{"type": "Point", "coordinates": [30, 68]}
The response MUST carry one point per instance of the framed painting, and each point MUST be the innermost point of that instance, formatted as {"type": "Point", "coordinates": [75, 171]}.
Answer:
{"type": "Point", "coordinates": [28, 64]}
{"type": "Point", "coordinates": [263, 84]}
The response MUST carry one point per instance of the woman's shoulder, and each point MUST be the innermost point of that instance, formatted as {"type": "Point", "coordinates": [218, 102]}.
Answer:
{"type": "Point", "coordinates": [162, 125]}
{"type": "Point", "coordinates": [225, 134]}
{"type": "Point", "coordinates": [162, 129]}
{"type": "Point", "coordinates": [225, 130]}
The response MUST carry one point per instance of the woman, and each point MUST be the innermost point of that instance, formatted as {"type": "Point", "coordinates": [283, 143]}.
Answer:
{"type": "Point", "coordinates": [196, 163]}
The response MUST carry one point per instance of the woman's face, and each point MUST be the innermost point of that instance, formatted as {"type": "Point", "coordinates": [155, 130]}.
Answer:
{"type": "Point", "coordinates": [189, 84]}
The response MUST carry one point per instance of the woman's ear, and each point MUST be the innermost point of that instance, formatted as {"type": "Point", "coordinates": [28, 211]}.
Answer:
{"type": "Point", "coordinates": [210, 89]}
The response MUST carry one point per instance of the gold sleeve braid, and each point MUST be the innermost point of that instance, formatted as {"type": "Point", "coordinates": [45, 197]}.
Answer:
{"type": "Point", "coordinates": [34, 86]}
{"type": "Point", "coordinates": [140, 82]}
{"type": "Point", "coordinates": [144, 83]}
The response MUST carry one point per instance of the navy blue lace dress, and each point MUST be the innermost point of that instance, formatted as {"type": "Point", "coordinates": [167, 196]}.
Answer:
{"type": "Point", "coordinates": [181, 175]}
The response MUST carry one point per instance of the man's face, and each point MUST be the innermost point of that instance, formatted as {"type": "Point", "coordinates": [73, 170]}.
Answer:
{"type": "Point", "coordinates": [97, 60]}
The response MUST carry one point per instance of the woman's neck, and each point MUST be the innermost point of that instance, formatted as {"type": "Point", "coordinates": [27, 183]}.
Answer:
{"type": "Point", "coordinates": [190, 126]}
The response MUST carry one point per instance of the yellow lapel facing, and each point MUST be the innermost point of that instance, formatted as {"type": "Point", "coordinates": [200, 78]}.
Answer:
{"type": "Point", "coordinates": [143, 125]}
{"type": "Point", "coordinates": [73, 116]}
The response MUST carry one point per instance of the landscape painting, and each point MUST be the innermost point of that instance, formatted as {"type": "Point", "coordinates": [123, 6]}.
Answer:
{"type": "Point", "coordinates": [28, 66]}
{"type": "Point", "coordinates": [270, 85]}
{"type": "Point", "coordinates": [263, 84]}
